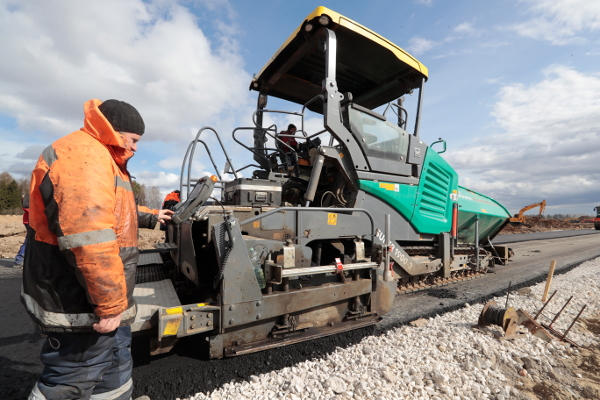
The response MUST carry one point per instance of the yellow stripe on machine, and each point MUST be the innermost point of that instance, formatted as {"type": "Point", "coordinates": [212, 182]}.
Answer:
{"type": "Point", "coordinates": [172, 327]}
{"type": "Point", "coordinates": [174, 310]}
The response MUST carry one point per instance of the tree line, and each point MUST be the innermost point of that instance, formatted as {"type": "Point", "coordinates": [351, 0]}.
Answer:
{"type": "Point", "coordinates": [568, 216]}
{"type": "Point", "coordinates": [12, 191]}
{"type": "Point", "coordinates": [147, 196]}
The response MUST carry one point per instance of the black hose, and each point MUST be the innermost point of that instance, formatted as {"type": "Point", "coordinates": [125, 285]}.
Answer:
{"type": "Point", "coordinates": [227, 244]}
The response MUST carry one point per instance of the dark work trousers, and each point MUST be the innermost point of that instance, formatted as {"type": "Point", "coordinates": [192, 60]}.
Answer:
{"type": "Point", "coordinates": [86, 366]}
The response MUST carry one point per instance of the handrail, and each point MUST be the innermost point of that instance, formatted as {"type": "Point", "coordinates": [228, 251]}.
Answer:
{"type": "Point", "coordinates": [276, 138]}
{"type": "Point", "coordinates": [188, 181]}
{"type": "Point", "coordinates": [317, 134]}
{"type": "Point", "coordinates": [274, 111]}
{"type": "Point", "coordinates": [253, 149]}
{"type": "Point", "coordinates": [250, 149]}
{"type": "Point", "coordinates": [190, 152]}
{"type": "Point", "coordinates": [328, 209]}
{"type": "Point", "coordinates": [319, 96]}
{"type": "Point", "coordinates": [248, 166]}
{"type": "Point", "coordinates": [439, 141]}
{"type": "Point", "coordinates": [210, 156]}
{"type": "Point", "coordinates": [265, 130]}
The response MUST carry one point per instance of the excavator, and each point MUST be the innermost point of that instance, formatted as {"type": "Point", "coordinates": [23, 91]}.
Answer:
{"type": "Point", "coordinates": [520, 217]}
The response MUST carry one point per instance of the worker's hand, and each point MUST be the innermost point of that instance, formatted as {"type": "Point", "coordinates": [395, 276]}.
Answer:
{"type": "Point", "coordinates": [164, 216]}
{"type": "Point", "coordinates": [107, 325]}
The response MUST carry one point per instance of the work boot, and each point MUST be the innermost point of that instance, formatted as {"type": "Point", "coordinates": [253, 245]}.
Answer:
{"type": "Point", "coordinates": [18, 265]}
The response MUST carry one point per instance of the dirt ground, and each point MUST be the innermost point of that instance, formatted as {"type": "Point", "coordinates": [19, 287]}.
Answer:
{"type": "Point", "coordinates": [12, 234]}
{"type": "Point", "coordinates": [539, 224]}
{"type": "Point", "coordinates": [572, 378]}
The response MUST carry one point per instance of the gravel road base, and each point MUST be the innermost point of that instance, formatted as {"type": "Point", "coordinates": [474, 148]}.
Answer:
{"type": "Point", "coordinates": [443, 357]}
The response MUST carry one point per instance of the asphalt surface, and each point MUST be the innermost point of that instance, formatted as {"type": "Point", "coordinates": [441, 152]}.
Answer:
{"type": "Point", "coordinates": [525, 237]}
{"type": "Point", "coordinates": [529, 266]}
{"type": "Point", "coordinates": [185, 371]}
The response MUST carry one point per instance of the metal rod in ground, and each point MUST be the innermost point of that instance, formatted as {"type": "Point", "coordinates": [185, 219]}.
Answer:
{"type": "Point", "coordinates": [549, 280]}
{"type": "Point", "coordinates": [573, 323]}
{"type": "Point", "coordinates": [507, 294]}
{"type": "Point", "coordinates": [560, 312]}
{"type": "Point", "coordinates": [387, 274]}
{"type": "Point", "coordinates": [544, 306]}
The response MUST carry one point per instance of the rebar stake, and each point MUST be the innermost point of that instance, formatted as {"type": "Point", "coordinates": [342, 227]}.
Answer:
{"type": "Point", "coordinates": [564, 336]}
{"type": "Point", "coordinates": [560, 312]}
{"type": "Point", "coordinates": [544, 306]}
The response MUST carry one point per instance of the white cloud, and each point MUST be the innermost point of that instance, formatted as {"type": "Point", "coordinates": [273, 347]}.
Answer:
{"type": "Point", "coordinates": [493, 81]}
{"type": "Point", "coordinates": [166, 182]}
{"type": "Point", "coordinates": [16, 157]}
{"type": "Point", "coordinates": [563, 102]}
{"type": "Point", "coordinates": [171, 163]}
{"type": "Point", "coordinates": [560, 21]}
{"type": "Point", "coordinates": [150, 54]}
{"type": "Point", "coordinates": [419, 45]}
{"type": "Point", "coordinates": [425, 2]}
{"type": "Point", "coordinates": [550, 146]}
{"type": "Point", "coordinates": [465, 27]}
{"type": "Point", "coordinates": [31, 152]}
{"type": "Point", "coordinates": [495, 43]}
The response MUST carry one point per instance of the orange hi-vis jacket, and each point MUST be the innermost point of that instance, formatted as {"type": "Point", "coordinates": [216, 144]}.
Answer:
{"type": "Point", "coordinates": [171, 200]}
{"type": "Point", "coordinates": [82, 248]}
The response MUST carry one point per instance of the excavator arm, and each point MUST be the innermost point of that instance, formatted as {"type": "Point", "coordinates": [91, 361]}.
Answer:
{"type": "Point", "coordinates": [520, 218]}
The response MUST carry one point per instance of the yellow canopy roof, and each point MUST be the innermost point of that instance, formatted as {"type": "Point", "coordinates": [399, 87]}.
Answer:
{"type": "Point", "coordinates": [372, 68]}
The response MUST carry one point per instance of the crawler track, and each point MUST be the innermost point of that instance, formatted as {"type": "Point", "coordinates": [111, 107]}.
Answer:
{"type": "Point", "coordinates": [429, 282]}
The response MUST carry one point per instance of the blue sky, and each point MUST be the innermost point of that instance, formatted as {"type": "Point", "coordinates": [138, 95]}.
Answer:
{"type": "Point", "coordinates": [514, 85]}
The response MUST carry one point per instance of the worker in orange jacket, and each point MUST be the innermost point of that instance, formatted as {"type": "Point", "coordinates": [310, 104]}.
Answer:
{"type": "Point", "coordinates": [170, 201]}
{"type": "Point", "coordinates": [81, 255]}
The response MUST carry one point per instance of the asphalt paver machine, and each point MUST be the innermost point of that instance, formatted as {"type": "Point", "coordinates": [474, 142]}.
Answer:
{"type": "Point", "coordinates": [324, 234]}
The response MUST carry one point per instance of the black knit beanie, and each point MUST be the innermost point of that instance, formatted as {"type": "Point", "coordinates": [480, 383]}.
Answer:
{"type": "Point", "coordinates": [122, 116]}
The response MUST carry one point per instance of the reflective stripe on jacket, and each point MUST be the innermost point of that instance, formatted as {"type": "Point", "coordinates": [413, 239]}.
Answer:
{"type": "Point", "coordinates": [82, 251]}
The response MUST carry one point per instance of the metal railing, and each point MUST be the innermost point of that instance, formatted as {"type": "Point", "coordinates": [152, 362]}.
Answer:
{"type": "Point", "coordinates": [189, 156]}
